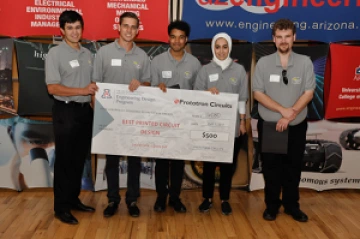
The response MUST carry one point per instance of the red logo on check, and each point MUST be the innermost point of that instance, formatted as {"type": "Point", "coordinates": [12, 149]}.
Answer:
{"type": "Point", "coordinates": [176, 101]}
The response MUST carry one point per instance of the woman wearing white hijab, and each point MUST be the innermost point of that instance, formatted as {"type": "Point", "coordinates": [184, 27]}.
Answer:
{"type": "Point", "coordinates": [222, 75]}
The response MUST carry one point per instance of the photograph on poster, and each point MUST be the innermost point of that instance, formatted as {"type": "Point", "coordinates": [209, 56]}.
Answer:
{"type": "Point", "coordinates": [330, 160]}
{"type": "Point", "coordinates": [27, 155]}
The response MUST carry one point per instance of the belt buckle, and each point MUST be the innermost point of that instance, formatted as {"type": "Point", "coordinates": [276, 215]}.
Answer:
{"type": "Point", "coordinates": [82, 104]}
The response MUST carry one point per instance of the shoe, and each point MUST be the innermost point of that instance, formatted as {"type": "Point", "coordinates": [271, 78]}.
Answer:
{"type": "Point", "coordinates": [177, 205]}
{"type": "Point", "coordinates": [269, 216]}
{"type": "Point", "coordinates": [133, 209]}
{"type": "Point", "coordinates": [205, 205]}
{"type": "Point", "coordinates": [160, 204]}
{"type": "Point", "coordinates": [84, 208]}
{"type": "Point", "coordinates": [66, 217]}
{"type": "Point", "coordinates": [226, 208]}
{"type": "Point", "coordinates": [111, 209]}
{"type": "Point", "coordinates": [297, 214]}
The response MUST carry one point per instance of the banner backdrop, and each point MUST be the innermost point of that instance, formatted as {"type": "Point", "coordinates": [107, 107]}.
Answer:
{"type": "Point", "coordinates": [252, 20]}
{"type": "Point", "coordinates": [37, 17]}
{"type": "Point", "coordinates": [331, 159]}
{"type": "Point", "coordinates": [6, 90]}
{"type": "Point", "coordinates": [318, 54]}
{"type": "Point", "coordinates": [342, 94]}
{"type": "Point", "coordinates": [33, 95]}
{"type": "Point", "coordinates": [27, 155]}
{"type": "Point", "coordinates": [153, 51]}
{"type": "Point", "coordinates": [101, 17]}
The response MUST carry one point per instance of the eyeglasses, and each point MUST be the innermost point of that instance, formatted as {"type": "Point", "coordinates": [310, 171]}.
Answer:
{"type": "Point", "coordinates": [285, 79]}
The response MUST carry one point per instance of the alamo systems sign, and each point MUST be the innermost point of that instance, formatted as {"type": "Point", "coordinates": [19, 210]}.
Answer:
{"type": "Point", "coordinates": [252, 20]}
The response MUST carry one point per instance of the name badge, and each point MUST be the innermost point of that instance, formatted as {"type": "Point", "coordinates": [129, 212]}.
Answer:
{"type": "Point", "coordinates": [274, 78]}
{"type": "Point", "coordinates": [74, 63]}
{"type": "Point", "coordinates": [116, 62]}
{"type": "Point", "coordinates": [213, 77]}
{"type": "Point", "coordinates": [166, 74]}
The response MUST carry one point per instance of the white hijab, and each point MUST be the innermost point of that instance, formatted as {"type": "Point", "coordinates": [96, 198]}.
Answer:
{"type": "Point", "coordinates": [222, 63]}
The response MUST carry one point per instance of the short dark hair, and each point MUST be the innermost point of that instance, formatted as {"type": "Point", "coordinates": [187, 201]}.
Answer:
{"type": "Point", "coordinates": [284, 24]}
{"type": "Point", "coordinates": [129, 15]}
{"type": "Point", "coordinates": [179, 25]}
{"type": "Point", "coordinates": [70, 16]}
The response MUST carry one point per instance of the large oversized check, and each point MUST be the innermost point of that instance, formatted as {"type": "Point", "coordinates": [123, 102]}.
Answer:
{"type": "Point", "coordinates": [178, 124]}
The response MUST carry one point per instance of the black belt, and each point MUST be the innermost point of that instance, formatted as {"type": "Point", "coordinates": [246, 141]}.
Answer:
{"type": "Point", "coordinates": [72, 103]}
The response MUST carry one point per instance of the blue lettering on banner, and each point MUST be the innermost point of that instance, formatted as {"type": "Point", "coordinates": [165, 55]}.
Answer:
{"type": "Point", "coordinates": [252, 20]}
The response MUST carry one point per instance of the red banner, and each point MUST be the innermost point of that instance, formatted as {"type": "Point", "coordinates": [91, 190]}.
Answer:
{"type": "Point", "coordinates": [342, 96]}
{"type": "Point", "coordinates": [101, 17]}
{"type": "Point", "coordinates": [153, 14]}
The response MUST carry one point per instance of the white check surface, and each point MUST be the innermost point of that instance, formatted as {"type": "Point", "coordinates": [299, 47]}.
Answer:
{"type": "Point", "coordinates": [178, 124]}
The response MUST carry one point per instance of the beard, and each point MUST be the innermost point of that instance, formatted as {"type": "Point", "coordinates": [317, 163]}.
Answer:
{"type": "Point", "coordinates": [284, 51]}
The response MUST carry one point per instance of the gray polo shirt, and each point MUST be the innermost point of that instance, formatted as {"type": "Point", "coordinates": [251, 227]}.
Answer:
{"type": "Point", "coordinates": [165, 69]}
{"type": "Point", "coordinates": [268, 79]}
{"type": "Point", "coordinates": [231, 80]}
{"type": "Point", "coordinates": [114, 65]}
{"type": "Point", "coordinates": [67, 66]}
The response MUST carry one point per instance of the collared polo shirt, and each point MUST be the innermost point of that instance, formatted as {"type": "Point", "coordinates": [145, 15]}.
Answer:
{"type": "Point", "coordinates": [165, 69]}
{"type": "Point", "coordinates": [231, 80]}
{"type": "Point", "coordinates": [114, 65]}
{"type": "Point", "coordinates": [69, 67]}
{"type": "Point", "coordinates": [268, 79]}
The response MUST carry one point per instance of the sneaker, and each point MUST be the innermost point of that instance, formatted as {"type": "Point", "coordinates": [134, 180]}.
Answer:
{"type": "Point", "coordinates": [133, 209]}
{"type": "Point", "coordinates": [177, 205]}
{"type": "Point", "coordinates": [160, 204]}
{"type": "Point", "coordinates": [205, 205]}
{"type": "Point", "coordinates": [110, 209]}
{"type": "Point", "coordinates": [226, 208]}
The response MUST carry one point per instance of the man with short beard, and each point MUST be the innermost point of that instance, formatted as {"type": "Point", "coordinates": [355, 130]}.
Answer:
{"type": "Point", "coordinates": [284, 84]}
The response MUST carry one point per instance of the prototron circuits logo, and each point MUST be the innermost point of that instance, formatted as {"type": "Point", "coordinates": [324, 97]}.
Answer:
{"type": "Point", "coordinates": [106, 94]}
{"type": "Point", "coordinates": [201, 103]}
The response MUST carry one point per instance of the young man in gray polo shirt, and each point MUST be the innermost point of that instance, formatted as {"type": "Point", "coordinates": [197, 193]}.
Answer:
{"type": "Point", "coordinates": [283, 85]}
{"type": "Point", "coordinates": [68, 73]}
{"type": "Point", "coordinates": [122, 62]}
{"type": "Point", "coordinates": [174, 68]}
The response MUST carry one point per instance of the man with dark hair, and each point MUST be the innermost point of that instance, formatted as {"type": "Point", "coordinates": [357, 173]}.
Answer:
{"type": "Point", "coordinates": [283, 85]}
{"type": "Point", "coordinates": [179, 25]}
{"type": "Point", "coordinates": [175, 67]}
{"type": "Point", "coordinates": [68, 78]}
{"type": "Point", "coordinates": [70, 17]}
{"type": "Point", "coordinates": [129, 15]}
{"type": "Point", "coordinates": [122, 62]}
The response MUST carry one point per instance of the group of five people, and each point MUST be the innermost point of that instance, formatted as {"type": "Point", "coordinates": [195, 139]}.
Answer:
{"type": "Point", "coordinates": [71, 76]}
